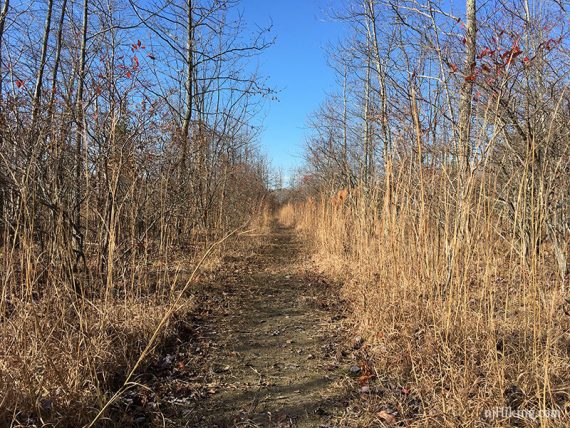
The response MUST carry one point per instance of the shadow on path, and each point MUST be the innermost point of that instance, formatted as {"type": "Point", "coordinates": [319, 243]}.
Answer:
{"type": "Point", "coordinates": [272, 357]}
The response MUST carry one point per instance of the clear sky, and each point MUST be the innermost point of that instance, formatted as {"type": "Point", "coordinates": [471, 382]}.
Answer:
{"type": "Point", "coordinates": [297, 68]}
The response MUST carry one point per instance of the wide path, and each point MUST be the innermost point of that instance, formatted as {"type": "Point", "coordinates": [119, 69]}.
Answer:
{"type": "Point", "coordinates": [266, 347]}
{"type": "Point", "coordinates": [274, 361]}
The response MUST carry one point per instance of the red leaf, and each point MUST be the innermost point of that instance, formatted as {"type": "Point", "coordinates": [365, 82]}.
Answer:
{"type": "Point", "coordinates": [550, 44]}
{"type": "Point", "coordinates": [484, 53]}
{"type": "Point", "coordinates": [139, 43]}
{"type": "Point", "coordinates": [526, 59]}
{"type": "Point", "coordinates": [511, 53]}
{"type": "Point", "coordinates": [485, 68]}
{"type": "Point", "coordinates": [453, 68]}
{"type": "Point", "coordinates": [470, 78]}
{"type": "Point", "coordinates": [128, 74]}
{"type": "Point", "coordinates": [19, 83]}
{"type": "Point", "coordinates": [136, 61]}
{"type": "Point", "coordinates": [516, 51]}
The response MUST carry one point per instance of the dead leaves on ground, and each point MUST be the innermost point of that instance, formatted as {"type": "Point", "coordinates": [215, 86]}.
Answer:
{"type": "Point", "coordinates": [387, 417]}
{"type": "Point", "coordinates": [367, 372]}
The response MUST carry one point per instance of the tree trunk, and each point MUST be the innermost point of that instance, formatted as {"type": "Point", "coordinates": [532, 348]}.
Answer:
{"type": "Point", "coordinates": [466, 96]}
{"type": "Point", "coordinates": [189, 81]}
{"type": "Point", "coordinates": [40, 76]}
{"type": "Point", "coordinates": [3, 15]}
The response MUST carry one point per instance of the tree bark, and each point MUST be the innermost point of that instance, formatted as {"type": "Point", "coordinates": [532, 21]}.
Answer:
{"type": "Point", "coordinates": [466, 96]}
{"type": "Point", "coordinates": [3, 15]}
{"type": "Point", "coordinates": [40, 76]}
{"type": "Point", "coordinates": [189, 81]}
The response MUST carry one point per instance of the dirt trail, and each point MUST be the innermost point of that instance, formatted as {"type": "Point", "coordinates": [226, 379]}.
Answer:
{"type": "Point", "coordinates": [265, 350]}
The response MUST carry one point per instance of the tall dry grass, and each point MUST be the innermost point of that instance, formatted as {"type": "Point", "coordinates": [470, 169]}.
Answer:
{"type": "Point", "coordinates": [454, 308]}
{"type": "Point", "coordinates": [65, 355]}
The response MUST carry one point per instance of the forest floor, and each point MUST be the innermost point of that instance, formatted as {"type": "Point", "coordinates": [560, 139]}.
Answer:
{"type": "Point", "coordinates": [267, 345]}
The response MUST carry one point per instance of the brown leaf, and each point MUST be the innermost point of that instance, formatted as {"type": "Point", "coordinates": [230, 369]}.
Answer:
{"type": "Point", "coordinates": [387, 417]}
{"type": "Point", "coordinates": [365, 378]}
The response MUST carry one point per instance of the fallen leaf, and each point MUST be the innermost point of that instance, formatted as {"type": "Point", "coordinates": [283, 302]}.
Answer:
{"type": "Point", "coordinates": [365, 378]}
{"type": "Point", "coordinates": [387, 417]}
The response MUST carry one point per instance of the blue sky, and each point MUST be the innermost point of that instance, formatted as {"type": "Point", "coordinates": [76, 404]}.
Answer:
{"type": "Point", "coordinates": [297, 67]}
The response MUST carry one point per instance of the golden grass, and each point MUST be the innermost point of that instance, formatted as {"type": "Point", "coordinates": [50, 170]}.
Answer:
{"type": "Point", "coordinates": [59, 358]}
{"type": "Point", "coordinates": [464, 322]}
{"type": "Point", "coordinates": [65, 357]}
